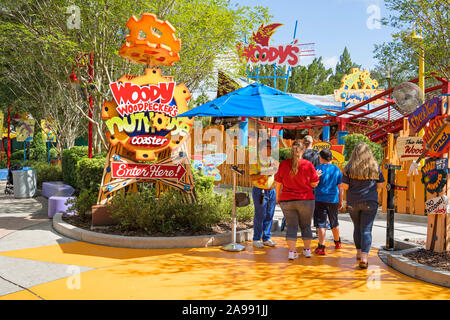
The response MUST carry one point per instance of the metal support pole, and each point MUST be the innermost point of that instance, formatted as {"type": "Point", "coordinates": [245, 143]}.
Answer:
{"type": "Point", "coordinates": [8, 153]}
{"type": "Point", "coordinates": [390, 206]}
{"type": "Point", "coordinates": [233, 246]}
{"type": "Point", "coordinates": [91, 101]}
{"type": "Point", "coordinates": [390, 210]}
{"type": "Point", "coordinates": [48, 151]}
{"type": "Point", "coordinates": [233, 217]}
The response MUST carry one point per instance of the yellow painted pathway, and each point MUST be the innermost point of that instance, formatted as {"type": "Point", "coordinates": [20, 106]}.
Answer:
{"type": "Point", "coordinates": [211, 273]}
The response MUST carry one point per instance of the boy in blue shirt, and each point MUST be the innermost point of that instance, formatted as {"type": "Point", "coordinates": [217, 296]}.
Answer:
{"type": "Point", "coordinates": [328, 195]}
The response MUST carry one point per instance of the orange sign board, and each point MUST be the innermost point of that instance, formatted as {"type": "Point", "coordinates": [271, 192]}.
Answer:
{"type": "Point", "coordinates": [336, 150]}
{"type": "Point", "coordinates": [141, 117]}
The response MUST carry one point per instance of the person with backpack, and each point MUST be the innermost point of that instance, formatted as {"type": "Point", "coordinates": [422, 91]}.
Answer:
{"type": "Point", "coordinates": [329, 196]}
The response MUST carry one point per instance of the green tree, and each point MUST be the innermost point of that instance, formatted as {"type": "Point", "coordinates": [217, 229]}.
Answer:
{"type": "Point", "coordinates": [395, 60]}
{"type": "Point", "coordinates": [311, 79]}
{"type": "Point", "coordinates": [38, 47]}
{"type": "Point", "coordinates": [431, 18]}
{"type": "Point", "coordinates": [343, 67]}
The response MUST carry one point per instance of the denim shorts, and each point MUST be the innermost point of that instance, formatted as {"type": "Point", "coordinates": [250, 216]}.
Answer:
{"type": "Point", "coordinates": [324, 210]}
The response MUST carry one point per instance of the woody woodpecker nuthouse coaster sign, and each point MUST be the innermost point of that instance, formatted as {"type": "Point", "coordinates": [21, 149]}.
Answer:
{"type": "Point", "coordinates": [142, 130]}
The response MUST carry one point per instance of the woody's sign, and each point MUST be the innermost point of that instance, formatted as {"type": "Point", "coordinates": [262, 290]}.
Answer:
{"type": "Point", "coordinates": [409, 148]}
{"type": "Point", "coordinates": [141, 117]}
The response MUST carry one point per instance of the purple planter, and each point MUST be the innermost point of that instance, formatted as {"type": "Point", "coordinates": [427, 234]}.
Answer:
{"type": "Point", "coordinates": [58, 204]}
{"type": "Point", "coordinates": [58, 188]}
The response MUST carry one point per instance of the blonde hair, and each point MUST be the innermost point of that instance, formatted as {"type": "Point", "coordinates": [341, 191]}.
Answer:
{"type": "Point", "coordinates": [296, 154]}
{"type": "Point", "coordinates": [362, 164]}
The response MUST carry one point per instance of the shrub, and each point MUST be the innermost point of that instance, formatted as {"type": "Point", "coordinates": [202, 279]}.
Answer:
{"type": "Point", "coordinates": [46, 172]}
{"type": "Point", "coordinates": [352, 140]}
{"type": "Point", "coordinates": [83, 203]}
{"type": "Point", "coordinates": [284, 153]}
{"type": "Point", "coordinates": [38, 149]}
{"type": "Point", "coordinates": [89, 174]}
{"type": "Point", "coordinates": [4, 163]}
{"type": "Point", "coordinates": [203, 183]}
{"type": "Point", "coordinates": [69, 161]}
{"type": "Point", "coordinates": [168, 214]}
{"type": "Point", "coordinates": [101, 155]}
{"type": "Point", "coordinates": [53, 153]}
{"type": "Point", "coordinates": [17, 155]}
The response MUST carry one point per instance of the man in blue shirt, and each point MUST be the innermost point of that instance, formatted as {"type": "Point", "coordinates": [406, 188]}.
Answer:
{"type": "Point", "coordinates": [328, 200]}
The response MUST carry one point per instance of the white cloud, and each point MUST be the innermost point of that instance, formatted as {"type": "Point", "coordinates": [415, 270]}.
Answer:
{"type": "Point", "coordinates": [330, 62]}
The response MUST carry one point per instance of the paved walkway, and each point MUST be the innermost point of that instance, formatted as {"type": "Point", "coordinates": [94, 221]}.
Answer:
{"type": "Point", "coordinates": [38, 263]}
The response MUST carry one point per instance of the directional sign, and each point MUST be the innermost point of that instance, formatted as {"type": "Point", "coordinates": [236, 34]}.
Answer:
{"type": "Point", "coordinates": [147, 171]}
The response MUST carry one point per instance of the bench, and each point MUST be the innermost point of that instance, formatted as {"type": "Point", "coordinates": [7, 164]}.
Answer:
{"type": "Point", "coordinates": [58, 204]}
{"type": "Point", "coordinates": [57, 188]}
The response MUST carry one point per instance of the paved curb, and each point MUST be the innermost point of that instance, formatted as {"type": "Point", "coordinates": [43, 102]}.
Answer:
{"type": "Point", "coordinates": [76, 233]}
{"type": "Point", "coordinates": [397, 261]}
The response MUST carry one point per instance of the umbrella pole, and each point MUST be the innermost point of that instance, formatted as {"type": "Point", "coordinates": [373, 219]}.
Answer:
{"type": "Point", "coordinates": [233, 246]}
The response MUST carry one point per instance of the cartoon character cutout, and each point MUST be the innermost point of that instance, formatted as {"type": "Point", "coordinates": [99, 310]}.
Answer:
{"type": "Point", "coordinates": [208, 164]}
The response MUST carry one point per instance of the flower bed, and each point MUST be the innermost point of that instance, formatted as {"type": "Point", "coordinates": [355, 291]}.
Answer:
{"type": "Point", "coordinates": [220, 228]}
{"type": "Point", "coordinates": [436, 260]}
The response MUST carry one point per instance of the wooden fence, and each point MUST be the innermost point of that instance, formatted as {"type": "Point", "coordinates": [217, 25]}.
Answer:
{"type": "Point", "coordinates": [409, 201]}
{"type": "Point", "coordinates": [412, 199]}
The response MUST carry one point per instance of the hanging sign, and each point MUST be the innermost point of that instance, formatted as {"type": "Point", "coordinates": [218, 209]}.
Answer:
{"type": "Point", "coordinates": [25, 130]}
{"type": "Point", "coordinates": [147, 171]}
{"type": "Point", "coordinates": [260, 53]}
{"type": "Point", "coordinates": [409, 148]}
{"type": "Point", "coordinates": [434, 174]}
{"type": "Point", "coordinates": [336, 150]}
{"type": "Point", "coordinates": [357, 87]}
{"type": "Point", "coordinates": [429, 110]}
{"type": "Point", "coordinates": [47, 133]}
{"type": "Point", "coordinates": [442, 143]}
{"type": "Point", "coordinates": [438, 205]}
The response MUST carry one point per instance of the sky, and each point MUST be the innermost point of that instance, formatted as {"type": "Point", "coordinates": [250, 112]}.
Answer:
{"type": "Point", "coordinates": [331, 24]}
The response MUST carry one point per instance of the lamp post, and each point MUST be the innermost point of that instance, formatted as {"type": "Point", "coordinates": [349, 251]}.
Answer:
{"type": "Point", "coordinates": [419, 37]}
{"type": "Point", "coordinates": [8, 154]}
{"type": "Point", "coordinates": [388, 78]}
{"type": "Point", "coordinates": [77, 63]}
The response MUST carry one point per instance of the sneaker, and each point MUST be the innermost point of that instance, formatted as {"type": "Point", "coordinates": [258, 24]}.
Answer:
{"type": "Point", "coordinates": [258, 244]}
{"type": "Point", "coordinates": [307, 253]}
{"type": "Point", "coordinates": [269, 243]}
{"type": "Point", "coordinates": [320, 250]}
{"type": "Point", "coordinates": [338, 244]}
{"type": "Point", "coordinates": [292, 255]}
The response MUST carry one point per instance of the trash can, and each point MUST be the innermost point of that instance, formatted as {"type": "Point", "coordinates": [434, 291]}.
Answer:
{"type": "Point", "coordinates": [24, 183]}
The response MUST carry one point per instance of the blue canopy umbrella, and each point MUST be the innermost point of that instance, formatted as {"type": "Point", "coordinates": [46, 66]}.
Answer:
{"type": "Point", "coordinates": [256, 100]}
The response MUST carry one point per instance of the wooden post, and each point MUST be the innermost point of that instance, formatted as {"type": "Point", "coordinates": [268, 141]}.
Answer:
{"type": "Point", "coordinates": [439, 225]}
